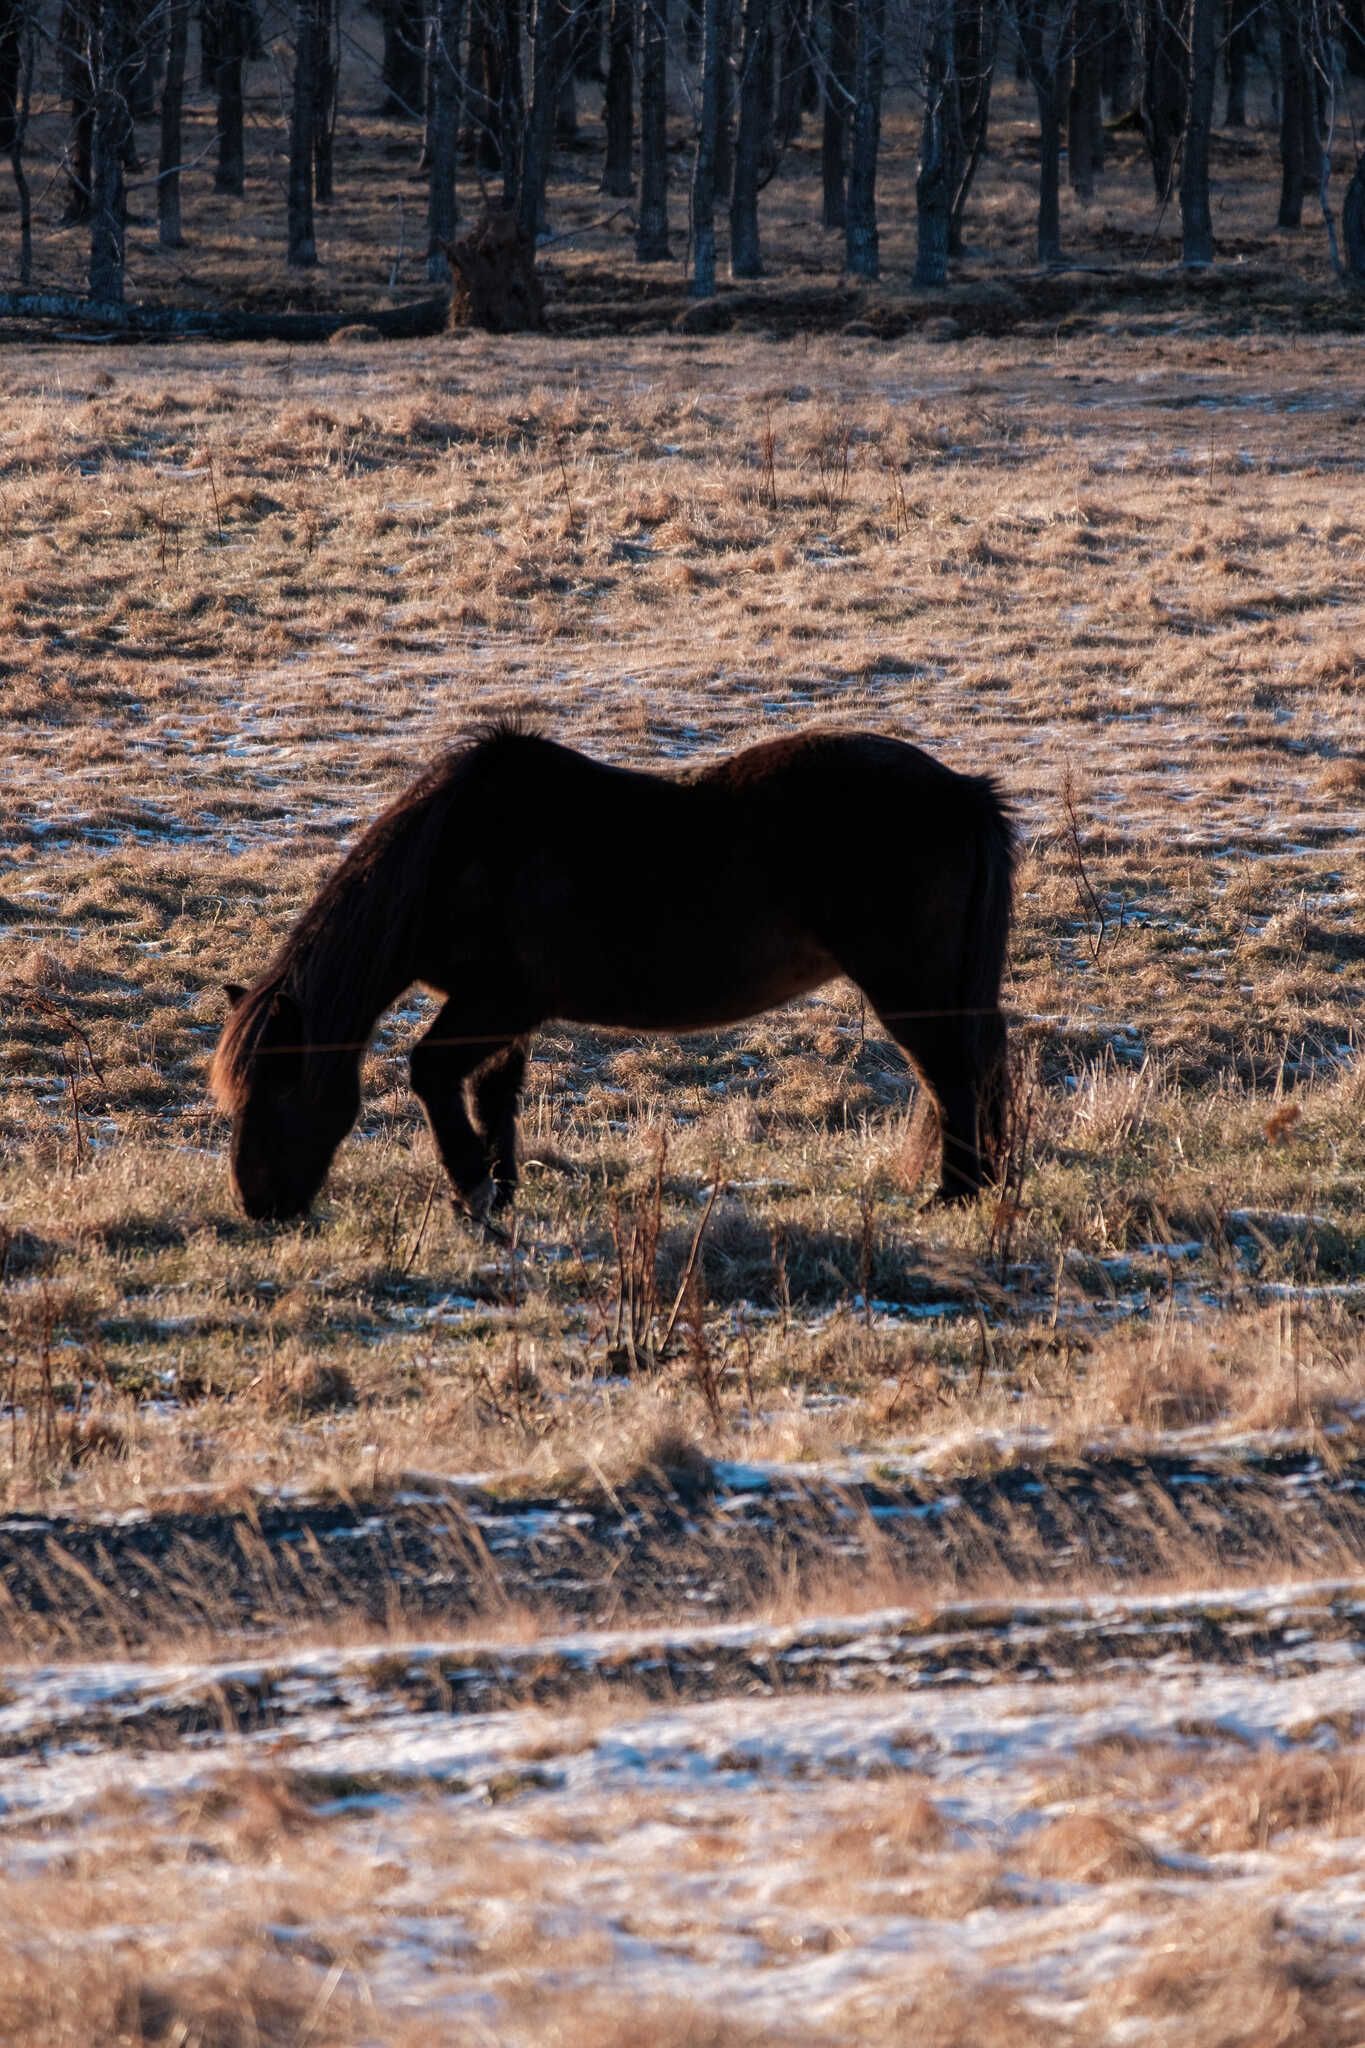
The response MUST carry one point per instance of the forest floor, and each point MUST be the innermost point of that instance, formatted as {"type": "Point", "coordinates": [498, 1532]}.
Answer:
{"type": "Point", "coordinates": [961, 1627]}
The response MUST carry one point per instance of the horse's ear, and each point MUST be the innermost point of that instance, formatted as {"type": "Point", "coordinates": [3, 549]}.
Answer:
{"type": "Point", "coordinates": [285, 1012]}
{"type": "Point", "coordinates": [284, 1020]}
{"type": "Point", "coordinates": [234, 992]}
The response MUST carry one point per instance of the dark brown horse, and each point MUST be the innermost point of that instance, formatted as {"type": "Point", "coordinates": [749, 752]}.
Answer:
{"type": "Point", "coordinates": [524, 881]}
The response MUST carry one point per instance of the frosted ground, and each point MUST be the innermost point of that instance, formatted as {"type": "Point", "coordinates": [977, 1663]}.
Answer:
{"type": "Point", "coordinates": [815, 1867]}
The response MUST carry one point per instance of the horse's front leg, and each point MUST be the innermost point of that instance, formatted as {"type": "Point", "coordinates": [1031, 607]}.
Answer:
{"type": "Point", "coordinates": [440, 1065]}
{"type": "Point", "coordinates": [496, 1090]}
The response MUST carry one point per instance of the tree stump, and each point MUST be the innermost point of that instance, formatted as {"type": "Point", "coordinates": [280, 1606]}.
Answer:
{"type": "Point", "coordinates": [496, 285]}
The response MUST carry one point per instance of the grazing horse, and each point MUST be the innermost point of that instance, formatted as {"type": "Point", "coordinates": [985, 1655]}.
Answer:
{"type": "Point", "coordinates": [524, 881]}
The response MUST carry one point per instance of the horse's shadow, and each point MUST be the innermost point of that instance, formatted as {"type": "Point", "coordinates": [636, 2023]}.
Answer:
{"type": "Point", "coordinates": [804, 1266]}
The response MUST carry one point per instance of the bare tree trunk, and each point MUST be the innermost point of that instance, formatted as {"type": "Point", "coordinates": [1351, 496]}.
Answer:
{"type": "Point", "coordinates": [535, 160]}
{"type": "Point", "coordinates": [1293, 83]}
{"type": "Point", "coordinates": [479, 97]}
{"type": "Point", "coordinates": [755, 105]}
{"type": "Point", "coordinates": [76, 41]}
{"type": "Point", "coordinates": [704, 163]}
{"type": "Point", "coordinates": [1313, 99]}
{"type": "Point", "coordinates": [725, 103]}
{"type": "Point", "coordinates": [1116, 60]}
{"type": "Point", "coordinates": [511, 100]}
{"type": "Point", "coordinates": [793, 69]}
{"type": "Point", "coordinates": [401, 74]}
{"type": "Point", "coordinates": [976, 30]}
{"type": "Point", "coordinates": [1196, 218]}
{"type": "Point", "coordinates": [325, 103]}
{"type": "Point", "coordinates": [566, 97]}
{"type": "Point", "coordinates": [589, 25]}
{"type": "Point", "coordinates": [21, 26]}
{"type": "Point", "coordinates": [226, 31]}
{"type": "Point", "coordinates": [485, 91]}
{"type": "Point", "coordinates": [651, 234]}
{"type": "Point", "coordinates": [109, 141]}
{"type": "Point", "coordinates": [148, 33]}
{"type": "Point", "coordinates": [230, 174]}
{"type": "Point", "coordinates": [445, 135]}
{"type": "Point", "coordinates": [837, 109]}
{"type": "Point", "coordinates": [1325, 67]}
{"type": "Point", "coordinates": [1237, 49]}
{"type": "Point", "coordinates": [13, 17]}
{"type": "Point", "coordinates": [618, 177]}
{"type": "Point", "coordinates": [1049, 174]}
{"type": "Point", "coordinates": [303, 251]}
{"type": "Point", "coordinates": [1044, 34]}
{"type": "Point", "coordinates": [1353, 224]}
{"type": "Point", "coordinates": [1164, 85]}
{"type": "Point", "coordinates": [1353, 36]}
{"type": "Point", "coordinates": [861, 252]}
{"type": "Point", "coordinates": [769, 147]}
{"type": "Point", "coordinates": [933, 186]}
{"type": "Point", "coordinates": [1085, 129]}
{"type": "Point", "coordinates": [172, 148]}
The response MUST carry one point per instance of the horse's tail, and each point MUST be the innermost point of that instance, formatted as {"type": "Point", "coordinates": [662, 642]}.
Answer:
{"type": "Point", "coordinates": [985, 944]}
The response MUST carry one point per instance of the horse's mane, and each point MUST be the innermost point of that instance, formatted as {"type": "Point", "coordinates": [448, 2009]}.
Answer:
{"type": "Point", "coordinates": [343, 956]}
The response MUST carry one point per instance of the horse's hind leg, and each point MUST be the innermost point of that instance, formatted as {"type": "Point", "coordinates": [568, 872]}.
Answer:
{"type": "Point", "coordinates": [496, 1090]}
{"type": "Point", "coordinates": [943, 1051]}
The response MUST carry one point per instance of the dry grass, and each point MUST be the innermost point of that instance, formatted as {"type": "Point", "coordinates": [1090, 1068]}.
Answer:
{"type": "Point", "coordinates": [1090, 1848]}
{"type": "Point", "coordinates": [244, 599]}
{"type": "Point", "coordinates": [1239, 1978]}
{"type": "Point", "coordinates": [1081, 582]}
{"type": "Point", "coordinates": [293, 1906]}
{"type": "Point", "coordinates": [1322, 1793]}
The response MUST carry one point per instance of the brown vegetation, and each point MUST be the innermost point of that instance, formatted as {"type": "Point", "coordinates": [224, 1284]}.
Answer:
{"type": "Point", "coordinates": [257, 588]}
{"type": "Point", "coordinates": [243, 602]}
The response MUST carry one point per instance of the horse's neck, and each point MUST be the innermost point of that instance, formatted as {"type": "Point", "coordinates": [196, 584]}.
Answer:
{"type": "Point", "coordinates": [358, 957]}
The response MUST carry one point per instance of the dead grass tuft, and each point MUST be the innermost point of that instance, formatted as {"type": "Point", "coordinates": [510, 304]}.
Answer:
{"type": "Point", "coordinates": [1174, 1390]}
{"type": "Point", "coordinates": [1272, 1795]}
{"type": "Point", "coordinates": [1239, 1978]}
{"type": "Point", "coordinates": [621, 2023]}
{"type": "Point", "coordinates": [900, 1829]}
{"type": "Point", "coordinates": [1089, 1848]}
{"type": "Point", "coordinates": [1343, 777]}
{"type": "Point", "coordinates": [313, 1387]}
{"type": "Point", "coordinates": [50, 2000]}
{"type": "Point", "coordinates": [667, 1453]}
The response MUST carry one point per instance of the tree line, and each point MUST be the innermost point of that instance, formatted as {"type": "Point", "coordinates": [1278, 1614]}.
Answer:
{"type": "Point", "coordinates": [494, 86]}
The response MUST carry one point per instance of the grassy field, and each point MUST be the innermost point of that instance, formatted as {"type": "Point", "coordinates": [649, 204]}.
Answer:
{"type": "Point", "coordinates": [246, 598]}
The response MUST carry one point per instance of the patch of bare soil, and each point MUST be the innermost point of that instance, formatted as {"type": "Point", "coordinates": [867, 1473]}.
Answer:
{"type": "Point", "coordinates": [685, 1539]}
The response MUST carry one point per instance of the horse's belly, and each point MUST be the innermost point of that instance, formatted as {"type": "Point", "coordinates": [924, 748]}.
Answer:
{"type": "Point", "coordinates": [649, 987]}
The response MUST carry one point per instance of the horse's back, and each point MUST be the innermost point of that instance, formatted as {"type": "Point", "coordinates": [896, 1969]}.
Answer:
{"type": "Point", "coordinates": [836, 774]}
{"type": "Point", "coordinates": [836, 800]}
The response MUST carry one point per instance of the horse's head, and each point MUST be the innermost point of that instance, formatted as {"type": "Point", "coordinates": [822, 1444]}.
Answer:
{"type": "Point", "coordinates": [291, 1102]}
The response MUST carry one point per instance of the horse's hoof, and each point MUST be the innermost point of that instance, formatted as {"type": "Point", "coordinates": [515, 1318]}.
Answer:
{"type": "Point", "coordinates": [474, 1204]}
{"type": "Point", "coordinates": [477, 1208]}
